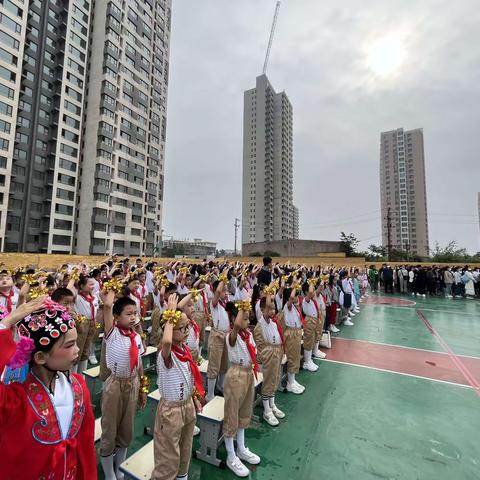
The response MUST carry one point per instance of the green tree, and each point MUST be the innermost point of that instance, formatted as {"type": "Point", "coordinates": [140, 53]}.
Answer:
{"type": "Point", "coordinates": [349, 244]}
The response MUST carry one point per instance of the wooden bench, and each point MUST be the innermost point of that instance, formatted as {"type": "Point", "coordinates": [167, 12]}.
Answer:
{"type": "Point", "coordinates": [140, 465]}
{"type": "Point", "coordinates": [91, 377]}
{"type": "Point", "coordinates": [98, 430]}
{"type": "Point", "coordinates": [210, 421]}
{"type": "Point", "coordinates": [152, 403]}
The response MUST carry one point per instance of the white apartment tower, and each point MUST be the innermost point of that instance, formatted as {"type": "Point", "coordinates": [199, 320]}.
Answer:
{"type": "Point", "coordinates": [403, 191]}
{"type": "Point", "coordinates": [43, 61]}
{"type": "Point", "coordinates": [122, 167]}
{"type": "Point", "coordinates": [268, 212]}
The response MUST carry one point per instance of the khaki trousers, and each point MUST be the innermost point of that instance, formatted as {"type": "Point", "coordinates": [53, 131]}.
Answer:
{"type": "Point", "coordinates": [172, 438]}
{"type": "Point", "coordinates": [293, 347]}
{"type": "Point", "coordinates": [319, 328]}
{"type": "Point", "coordinates": [271, 359]}
{"type": "Point", "coordinates": [156, 332]}
{"type": "Point", "coordinates": [119, 402]}
{"type": "Point", "coordinates": [85, 333]}
{"type": "Point", "coordinates": [201, 319]}
{"type": "Point", "coordinates": [238, 392]}
{"type": "Point", "coordinates": [309, 333]}
{"type": "Point", "coordinates": [217, 353]}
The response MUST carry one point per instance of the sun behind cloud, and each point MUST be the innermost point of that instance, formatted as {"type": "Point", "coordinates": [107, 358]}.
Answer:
{"type": "Point", "coordinates": [385, 55]}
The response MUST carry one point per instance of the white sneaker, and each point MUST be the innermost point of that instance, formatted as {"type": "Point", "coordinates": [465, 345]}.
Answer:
{"type": "Point", "coordinates": [270, 418]}
{"type": "Point", "coordinates": [348, 323]}
{"type": "Point", "coordinates": [310, 366]}
{"type": "Point", "coordinates": [93, 359]}
{"type": "Point", "coordinates": [351, 314]}
{"type": "Point", "coordinates": [277, 412]}
{"type": "Point", "coordinates": [424, 295]}
{"type": "Point", "coordinates": [248, 456]}
{"type": "Point", "coordinates": [196, 431]}
{"type": "Point", "coordinates": [301, 387]}
{"type": "Point", "coordinates": [334, 329]}
{"type": "Point", "coordinates": [338, 309]}
{"type": "Point", "coordinates": [319, 355]}
{"type": "Point", "coordinates": [357, 310]}
{"type": "Point", "coordinates": [237, 467]}
{"type": "Point", "coordinates": [294, 389]}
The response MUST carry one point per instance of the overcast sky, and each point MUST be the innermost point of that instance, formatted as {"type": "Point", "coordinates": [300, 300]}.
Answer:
{"type": "Point", "coordinates": [329, 57]}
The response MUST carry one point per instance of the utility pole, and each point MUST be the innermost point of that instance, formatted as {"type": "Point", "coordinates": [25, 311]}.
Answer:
{"type": "Point", "coordinates": [389, 234]}
{"type": "Point", "coordinates": [236, 225]}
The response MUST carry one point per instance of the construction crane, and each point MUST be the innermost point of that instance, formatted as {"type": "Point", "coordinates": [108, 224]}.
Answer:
{"type": "Point", "coordinates": [270, 40]}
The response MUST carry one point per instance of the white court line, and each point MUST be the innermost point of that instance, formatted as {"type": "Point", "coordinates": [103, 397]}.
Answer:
{"type": "Point", "coordinates": [398, 373]}
{"type": "Point", "coordinates": [389, 305]}
{"type": "Point", "coordinates": [403, 346]}
{"type": "Point", "coordinates": [451, 311]}
{"type": "Point", "coordinates": [459, 312]}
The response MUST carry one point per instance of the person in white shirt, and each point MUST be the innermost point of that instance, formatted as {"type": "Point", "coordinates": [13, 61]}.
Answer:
{"type": "Point", "coordinates": [121, 391]}
{"type": "Point", "coordinates": [217, 351]}
{"type": "Point", "coordinates": [181, 391]}
{"type": "Point", "coordinates": [293, 321]}
{"type": "Point", "coordinates": [239, 388]}
{"type": "Point", "coordinates": [268, 335]}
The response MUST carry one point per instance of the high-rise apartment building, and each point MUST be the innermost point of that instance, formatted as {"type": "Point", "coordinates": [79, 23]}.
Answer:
{"type": "Point", "coordinates": [83, 89]}
{"type": "Point", "coordinates": [42, 84]}
{"type": "Point", "coordinates": [121, 192]}
{"type": "Point", "coordinates": [403, 191]}
{"type": "Point", "coordinates": [268, 212]}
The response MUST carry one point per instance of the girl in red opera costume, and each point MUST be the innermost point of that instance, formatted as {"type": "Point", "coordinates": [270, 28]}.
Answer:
{"type": "Point", "coordinates": [46, 423]}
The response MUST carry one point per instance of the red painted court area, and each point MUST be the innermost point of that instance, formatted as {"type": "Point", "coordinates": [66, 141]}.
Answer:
{"type": "Point", "coordinates": [409, 361]}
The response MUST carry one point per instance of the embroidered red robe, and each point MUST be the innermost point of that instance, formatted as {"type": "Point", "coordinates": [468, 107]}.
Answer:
{"type": "Point", "coordinates": [30, 437]}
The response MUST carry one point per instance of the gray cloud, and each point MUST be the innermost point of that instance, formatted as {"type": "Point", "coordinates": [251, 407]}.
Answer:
{"type": "Point", "coordinates": [340, 108]}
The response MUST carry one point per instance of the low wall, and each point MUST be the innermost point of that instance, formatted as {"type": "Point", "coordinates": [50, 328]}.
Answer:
{"type": "Point", "coordinates": [293, 248]}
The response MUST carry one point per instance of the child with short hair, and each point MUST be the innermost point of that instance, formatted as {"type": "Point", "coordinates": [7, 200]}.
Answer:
{"type": "Point", "coordinates": [86, 306]}
{"type": "Point", "coordinates": [181, 391]}
{"type": "Point", "coordinates": [8, 295]}
{"type": "Point", "coordinates": [126, 386]}
{"type": "Point", "coordinates": [268, 335]}
{"type": "Point", "coordinates": [217, 350]}
{"type": "Point", "coordinates": [293, 321]}
{"type": "Point", "coordinates": [239, 388]}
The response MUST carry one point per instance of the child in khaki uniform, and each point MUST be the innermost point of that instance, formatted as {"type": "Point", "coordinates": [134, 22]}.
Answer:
{"type": "Point", "coordinates": [217, 350]}
{"type": "Point", "coordinates": [181, 394]}
{"type": "Point", "coordinates": [268, 336]}
{"type": "Point", "coordinates": [121, 390]}
{"type": "Point", "coordinates": [313, 332]}
{"type": "Point", "coordinates": [239, 388]}
{"type": "Point", "coordinates": [293, 321]}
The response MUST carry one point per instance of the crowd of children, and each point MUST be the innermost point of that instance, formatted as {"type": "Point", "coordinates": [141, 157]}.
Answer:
{"type": "Point", "coordinates": [259, 317]}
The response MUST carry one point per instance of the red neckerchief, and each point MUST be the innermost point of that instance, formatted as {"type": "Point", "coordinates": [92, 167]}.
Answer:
{"type": "Point", "coordinates": [304, 323]}
{"type": "Point", "coordinates": [90, 299]}
{"type": "Point", "coordinates": [142, 305]}
{"type": "Point", "coordinates": [185, 356]}
{"type": "Point", "coordinates": [245, 336]}
{"type": "Point", "coordinates": [280, 330]}
{"type": "Point", "coordinates": [126, 332]}
{"type": "Point", "coordinates": [143, 289]}
{"type": "Point", "coordinates": [9, 305]}
{"type": "Point", "coordinates": [195, 327]}
{"type": "Point", "coordinates": [204, 301]}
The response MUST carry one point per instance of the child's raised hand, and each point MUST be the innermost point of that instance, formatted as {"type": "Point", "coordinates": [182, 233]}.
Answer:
{"type": "Point", "coordinates": [172, 302]}
{"type": "Point", "coordinates": [107, 298]}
